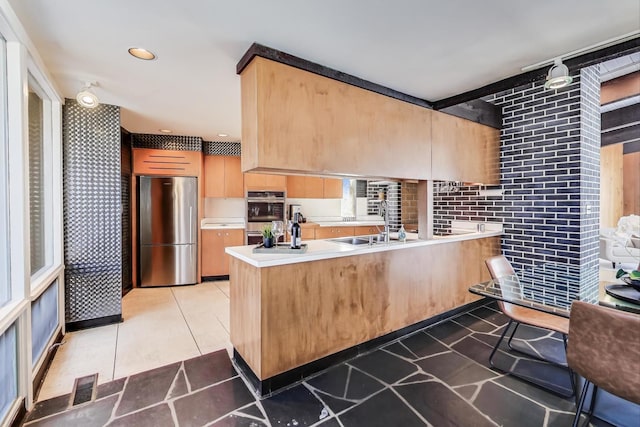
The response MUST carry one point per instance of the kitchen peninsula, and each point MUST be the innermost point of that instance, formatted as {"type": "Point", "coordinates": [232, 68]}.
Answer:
{"type": "Point", "coordinates": [292, 315]}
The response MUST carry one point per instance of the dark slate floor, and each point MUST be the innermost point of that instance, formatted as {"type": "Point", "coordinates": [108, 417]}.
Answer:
{"type": "Point", "coordinates": [438, 376]}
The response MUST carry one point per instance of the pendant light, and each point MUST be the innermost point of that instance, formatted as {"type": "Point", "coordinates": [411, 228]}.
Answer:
{"type": "Point", "coordinates": [558, 76]}
{"type": "Point", "coordinates": [86, 97]}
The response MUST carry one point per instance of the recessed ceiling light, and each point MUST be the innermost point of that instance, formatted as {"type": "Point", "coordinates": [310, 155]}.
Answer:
{"type": "Point", "coordinates": [165, 130]}
{"type": "Point", "coordinates": [141, 53]}
{"type": "Point", "coordinates": [223, 134]}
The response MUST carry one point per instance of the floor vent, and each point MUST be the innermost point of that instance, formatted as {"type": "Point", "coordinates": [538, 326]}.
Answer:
{"type": "Point", "coordinates": [84, 389]}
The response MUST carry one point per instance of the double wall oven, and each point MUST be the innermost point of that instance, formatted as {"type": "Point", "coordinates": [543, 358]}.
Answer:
{"type": "Point", "coordinates": [262, 208]}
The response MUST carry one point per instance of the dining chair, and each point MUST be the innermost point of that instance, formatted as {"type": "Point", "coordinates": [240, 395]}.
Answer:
{"type": "Point", "coordinates": [504, 275]}
{"type": "Point", "coordinates": [604, 348]}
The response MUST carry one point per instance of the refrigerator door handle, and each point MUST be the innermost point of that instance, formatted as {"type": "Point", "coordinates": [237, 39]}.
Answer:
{"type": "Point", "coordinates": [191, 224]}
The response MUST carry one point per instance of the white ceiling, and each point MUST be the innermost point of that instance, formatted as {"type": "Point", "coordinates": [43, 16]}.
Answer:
{"type": "Point", "coordinates": [429, 49]}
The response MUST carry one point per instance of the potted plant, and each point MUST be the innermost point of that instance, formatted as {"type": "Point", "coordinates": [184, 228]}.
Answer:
{"type": "Point", "coordinates": [267, 236]}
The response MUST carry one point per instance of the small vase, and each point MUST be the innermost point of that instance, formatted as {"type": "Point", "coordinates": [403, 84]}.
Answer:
{"type": "Point", "coordinates": [267, 242]}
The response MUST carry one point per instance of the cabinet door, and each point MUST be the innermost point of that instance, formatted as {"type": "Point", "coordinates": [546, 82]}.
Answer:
{"type": "Point", "coordinates": [263, 181]}
{"type": "Point", "coordinates": [308, 233]}
{"type": "Point", "coordinates": [213, 261]}
{"type": "Point", "coordinates": [333, 232]}
{"type": "Point", "coordinates": [214, 176]}
{"type": "Point", "coordinates": [332, 188]}
{"type": "Point", "coordinates": [149, 161]}
{"type": "Point", "coordinates": [295, 187]}
{"type": "Point", "coordinates": [276, 182]}
{"type": "Point", "coordinates": [233, 179]}
{"type": "Point", "coordinates": [365, 230]}
{"type": "Point", "coordinates": [463, 150]}
{"type": "Point", "coordinates": [314, 187]}
{"type": "Point", "coordinates": [231, 238]}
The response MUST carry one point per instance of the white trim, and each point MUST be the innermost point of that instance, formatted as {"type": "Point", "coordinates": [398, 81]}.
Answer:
{"type": "Point", "coordinates": [10, 313]}
{"type": "Point", "coordinates": [17, 92]}
{"type": "Point", "coordinates": [44, 281]}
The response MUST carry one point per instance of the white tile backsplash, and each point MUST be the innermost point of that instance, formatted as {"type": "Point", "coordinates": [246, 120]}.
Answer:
{"type": "Point", "coordinates": [224, 208]}
{"type": "Point", "coordinates": [318, 207]}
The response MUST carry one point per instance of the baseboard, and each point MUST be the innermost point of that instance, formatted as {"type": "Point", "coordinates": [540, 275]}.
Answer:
{"type": "Point", "coordinates": [93, 323]}
{"type": "Point", "coordinates": [38, 379]}
{"type": "Point", "coordinates": [214, 278]}
{"type": "Point", "coordinates": [277, 382]}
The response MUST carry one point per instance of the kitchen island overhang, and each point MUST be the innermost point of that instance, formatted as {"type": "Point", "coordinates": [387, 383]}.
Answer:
{"type": "Point", "coordinates": [292, 315]}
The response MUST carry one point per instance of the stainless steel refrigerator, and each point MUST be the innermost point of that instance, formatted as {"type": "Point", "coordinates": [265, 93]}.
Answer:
{"type": "Point", "coordinates": [168, 230]}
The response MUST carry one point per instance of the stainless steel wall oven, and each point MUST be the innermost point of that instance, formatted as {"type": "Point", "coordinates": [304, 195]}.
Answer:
{"type": "Point", "coordinates": [262, 208]}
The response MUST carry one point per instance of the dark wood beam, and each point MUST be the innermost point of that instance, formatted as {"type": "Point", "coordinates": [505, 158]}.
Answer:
{"type": "Point", "coordinates": [620, 117]}
{"type": "Point", "coordinates": [631, 147]}
{"type": "Point", "coordinates": [477, 110]}
{"type": "Point", "coordinates": [615, 51]}
{"type": "Point", "coordinates": [257, 49]}
{"type": "Point", "coordinates": [622, 135]}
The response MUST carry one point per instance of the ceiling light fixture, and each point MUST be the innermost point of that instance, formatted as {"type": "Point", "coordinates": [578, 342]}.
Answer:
{"type": "Point", "coordinates": [165, 130]}
{"type": "Point", "coordinates": [558, 76]}
{"type": "Point", "coordinates": [86, 97]}
{"type": "Point", "coordinates": [142, 53]}
{"type": "Point", "coordinates": [222, 135]}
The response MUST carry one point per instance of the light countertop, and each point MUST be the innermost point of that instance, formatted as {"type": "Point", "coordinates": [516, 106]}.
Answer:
{"type": "Point", "coordinates": [222, 224]}
{"type": "Point", "coordinates": [326, 249]}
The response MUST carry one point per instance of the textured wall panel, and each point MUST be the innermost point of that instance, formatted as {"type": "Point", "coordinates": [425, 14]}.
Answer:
{"type": "Point", "coordinates": [549, 177]}
{"type": "Point", "coordinates": [125, 188]}
{"type": "Point", "coordinates": [36, 184]}
{"type": "Point", "coordinates": [167, 142]}
{"type": "Point", "coordinates": [218, 148]}
{"type": "Point", "coordinates": [92, 229]}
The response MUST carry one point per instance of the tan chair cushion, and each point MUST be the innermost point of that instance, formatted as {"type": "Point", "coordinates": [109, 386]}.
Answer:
{"type": "Point", "coordinates": [604, 348]}
{"type": "Point", "coordinates": [537, 318]}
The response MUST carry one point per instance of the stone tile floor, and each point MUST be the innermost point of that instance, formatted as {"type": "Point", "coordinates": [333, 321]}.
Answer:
{"type": "Point", "coordinates": [438, 376]}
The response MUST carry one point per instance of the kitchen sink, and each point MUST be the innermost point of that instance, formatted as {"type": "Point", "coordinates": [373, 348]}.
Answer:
{"type": "Point", "coordinates": [354, 240]}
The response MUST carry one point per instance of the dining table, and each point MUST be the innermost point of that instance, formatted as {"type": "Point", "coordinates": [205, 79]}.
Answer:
{"type": "Point", "coordinates": [546, 287]}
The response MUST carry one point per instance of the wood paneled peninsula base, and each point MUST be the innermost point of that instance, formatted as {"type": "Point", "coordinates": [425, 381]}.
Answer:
{"type": "Point", "coordinates": [293, 315]}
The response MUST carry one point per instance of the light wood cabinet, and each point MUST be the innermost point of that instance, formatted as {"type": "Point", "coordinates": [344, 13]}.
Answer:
{"type": "Point", "coordinates": [465, 151]}
{"type": "Point", "coordinates": [332, 188]}
{"type": "Point", "coordinates": [278, 325]}
{"type": "Point", "coordinates": [365, 230]}
{"type": "Point", "coordinates": [295, 120]}
{"type": "Point", "coordinates": [215, 262]}
{"type": "Point", "coordinates": [333, 232]}
{"type": "Point", "coordinates": [311, 187]}
{"type": "Point", "coordinates": [308, 231]}
{"type": "Point", "coordinates": [305, 187]}
{"type": "Point", "coordinates": [148, 161]}
{"type": "Point", "coordinates": [223, 177]}
{"type": "Point", "coordinates": [263, 181]}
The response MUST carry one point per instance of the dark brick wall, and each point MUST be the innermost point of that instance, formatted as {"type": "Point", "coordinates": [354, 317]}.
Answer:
{"type": "Point", "coordinates": [549, 177]}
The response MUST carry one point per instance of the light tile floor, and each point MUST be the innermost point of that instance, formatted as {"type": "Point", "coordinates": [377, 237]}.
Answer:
{"type": "Point", "coordinates": [161, 326]}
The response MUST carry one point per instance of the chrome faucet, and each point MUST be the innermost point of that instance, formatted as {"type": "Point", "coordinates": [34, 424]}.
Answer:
{"type": "Point", "coordinates": [384, 211]}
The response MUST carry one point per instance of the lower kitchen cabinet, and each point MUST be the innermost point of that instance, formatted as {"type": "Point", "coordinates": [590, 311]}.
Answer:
{"type": "Point", "coordinates": [365, 230]}
{"type": "Point", "coordinates": [214, 261]}
{"type": "Point", "coordinates": [331, 232]}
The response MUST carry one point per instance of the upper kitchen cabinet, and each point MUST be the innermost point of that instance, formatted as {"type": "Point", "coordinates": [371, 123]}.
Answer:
{"type": "Point", "coordinates": [264, 181]}
{"type": "Point", "coordinates": [166, 162]}
{"type": "Point", "coordinates": [223, 177]}
{"type": "Point", "coordinates": [464, 151]}
{"type": "Point", "coordinates": [332, 188]}
{"type": "Point", "coordinates": [311, 187]}
{"type": "Point", "coordinates": [301, 187]}
{"type": "Point", "coordinates": [295, 120]}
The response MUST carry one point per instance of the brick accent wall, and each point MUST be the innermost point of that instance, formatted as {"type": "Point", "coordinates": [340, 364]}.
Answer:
{"type": "Point", "coordinates": [409, 197]}
{"type": "Point", "coordinates": [392, 195]}
{"type": "Point", "coordinates": [549, 176]}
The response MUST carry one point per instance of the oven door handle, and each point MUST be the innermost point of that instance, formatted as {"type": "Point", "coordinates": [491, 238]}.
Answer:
{"type": "Point", "coordinates": [269, 200]}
